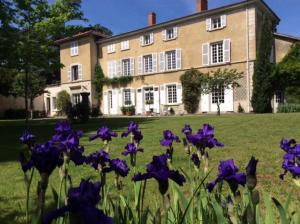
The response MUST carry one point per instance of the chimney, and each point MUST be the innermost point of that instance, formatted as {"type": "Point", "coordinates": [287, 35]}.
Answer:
{"type": "Point", "coordinates": [202, 5]}
{"type": "Point", "coordinates": [151, 18]}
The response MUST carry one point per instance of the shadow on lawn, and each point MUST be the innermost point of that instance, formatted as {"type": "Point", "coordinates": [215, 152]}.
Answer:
{"type": "Point", "coordinates": [10, 131]}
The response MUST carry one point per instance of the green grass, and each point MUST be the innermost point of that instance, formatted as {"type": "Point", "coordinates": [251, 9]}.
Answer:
{"type": "Point", "coordinates": [243, 135]}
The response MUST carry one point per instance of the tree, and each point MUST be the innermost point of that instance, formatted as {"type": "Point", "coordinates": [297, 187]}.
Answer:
{"type": "Point", "coordinates": [98, 83]}
{"type": "Point", "coordinates": [262, 77]}
{"type": "Point", "coordinates": [36, 84]}
{"type": "Point", "coordinates": [219, 81]}
{"type": "Point", "coordinates": [63, 102]}
{"type": "Point", "coordinates": [7, 77]}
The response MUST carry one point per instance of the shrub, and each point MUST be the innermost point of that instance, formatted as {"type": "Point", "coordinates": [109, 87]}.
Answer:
{"type": "Point", "coordinates": [288, 108]}
{"type": "Point", "coordinates": [128, 110]}
{"type": "Point", "coordinates": [15, 114]}
{"type": "Point", "coordinates": [80, 111]}
{"type": "Point", "coordinates": [95, 112]}
{"type": "Point", "coordinates": [64, 102]}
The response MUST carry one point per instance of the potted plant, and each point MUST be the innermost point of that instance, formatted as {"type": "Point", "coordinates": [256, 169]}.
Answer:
{"type": "Point", "coordinates": [124, 110]}
{"type": "Point", "coordinates": [150, 110]}
{"type": "Point", "coordinates": [130, 111]}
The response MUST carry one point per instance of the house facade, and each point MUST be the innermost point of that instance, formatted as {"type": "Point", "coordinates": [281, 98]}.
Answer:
{"type": "Point", "coordinates": [157, 55]}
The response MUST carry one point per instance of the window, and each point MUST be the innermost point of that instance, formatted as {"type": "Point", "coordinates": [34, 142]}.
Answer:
{"type": "Point", "coordinates": [112, 69]}
{"type": "Point", "coordinates": [54, 107]}
{"type": "Point", "coordinates": [172, 93]}
{"type": "Point", "coordinates": [147, 39]}
{"type": "Point", "coordinates": [74, 48]}
{"type": "Point", "coordinates": [148, 65]}
{"type": "Point", "coordinates": [217, 53]}
{"type": "Point", "coordinates": [110, 99]}
{"type": "Point", "coordinates": [125, 45]}
{"type": "Point", "coordinates": [75, 98]}
{"type": "Point", "coordinates": [149, 95]}
{"type": "Point", "coordinates": [216, 23]}
{"type": "Point", "coordinates": [218, 95]}
{"type": "Point", "coordinates": [171, 60]}
{"type": "Point", "coordinates": [126, 67]}
{"type": "Point", "coordinates": [127, 97]}
{"type": "Point", "coordinates": [279, 97]}
{"type": "Point", "coordinates": [75, 72]}
{"type": "Point", "coordinates": [111, 48]}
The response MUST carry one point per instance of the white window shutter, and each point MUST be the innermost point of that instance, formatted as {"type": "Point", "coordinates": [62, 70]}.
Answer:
{"type": "Point", "coordinates": [151, 38]}
{"type": "Point", "coordinates": [162, 65]}
{"type": "Point", "coordinates": [69, 73]}
{"type": "Point", "coordinates": [80, 71]}
{"type": "Point", "coordinates": [109, 69]}
{"type": "Point", "coordinates": [120, 98]}
{"type": "Point", "coordinates": [164, 35]}
{"type": "Point", "coordinates": [223, 21]}
{"type": "Point", "coordinates": [132, 66]}
{"type": "Point", "coordinates": [71, 49]}
{"type": "Point", "coordinates": [205, 54]}
{"type": "Point", "coordinates": [142, 40]}
{"type": "Point", "coordinates": [140, 65]}
{"type": "Point", "coordinates": [175, 32]}
{"type": "Point", "coordinates": [178, 58]}
{"type": "Point", "coordinates": [162, 95]}
{"type": "Point", "coordinates": [208, 24]}
{"type": "Point", "coordinates": [226, 48]}
{"type": "Point", "coordinates": [179, 93]}
{"type": "Point", "coordinates": [132, 96]}
{"type": "Point", "coordinates": [119, 68]}
{"type": "Point", "coordinates": [154, 62]}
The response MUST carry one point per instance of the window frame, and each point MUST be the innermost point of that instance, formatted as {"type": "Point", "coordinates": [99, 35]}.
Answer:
{"type": "Point", "coordinates": [218, 93]}
{"type": "Point", "coordinates": [148, 62]}
{"type": "Point", "coordinates": [76, 98]}
{"type": "Point", "coordinates": [111, 48]}
{"type": "Point", "coordinates": [74, 49]}
{"type": "Point", "coordinates": [219, 23]}
{"type": "Point", "coordinates": [73, 74]}
{"type": "Point", "coordinates": [173, 96]}
{"type": "Point", "coordinates": [217, 53]}
{"type": "Point", "coordinates": [124, 61]}
{"type": "Point", "coordinates": [127, 101]}
{"type": "Point", "coordinates": [125, 45]}
{"type": "Point", "coordinates": [173, 60]}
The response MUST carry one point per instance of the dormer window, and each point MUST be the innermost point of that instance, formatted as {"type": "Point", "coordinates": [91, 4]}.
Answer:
{"type": "Point", "coordinates": [74, 48]}
{"type": "Point", "coordinates": [216, 23]}
{"type": "Point", "coordinates": [146, 39]}
{"type": "Point", "coordinates": [111, 48]}
{"type": "Point", "coordinates": [125, 45]}
{"type": "Point", "coordinates": [170, 34]}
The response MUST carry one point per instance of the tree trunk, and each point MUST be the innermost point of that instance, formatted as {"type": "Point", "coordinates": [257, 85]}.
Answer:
{"type": "Point", "coordinates": [218, 106]}
{"type": "Point", "coordinates": [31, 108]}
{"type": "Point", "coordinates": [26, 99]}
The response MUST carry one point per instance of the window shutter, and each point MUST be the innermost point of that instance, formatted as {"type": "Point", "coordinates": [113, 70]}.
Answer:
{"type": "Point", "coordinates": [178, 58]}
{"type": "Point", "coordinates": [142, 40]}
{"type": "Point", "coordinates": [205, 54]}
{"type": "Point", "coordinates": [140, 65]}
{"type": "Point", "coordinates": [151, 38]}
{"type": "Point", "coordinates": [162, 95]}
{"type": "Point", "coordinates": [72, 49]}
{"type": "Point", "coordinates": [226, 48]}
{"type": "Point", "coordinates": [175, 32]}
{"type": "Point", "coordinates": [132, 66]}
{"type": "Point", "coordinates": [127, 44]}
{"type": "Point", "coordinates": [115, 67]}
{"type": "Point", "coordinates": [119, 68]}
{"type": "Point", "coordinates": [164, 35]}
{"type": "Point", "coordinates": [69, 73]}
{"type": "Point", "coordinates": [109, 69]}
{"type": "Point", "coordinates": [132, 96]}
{"type": "Point", "coordinates": [154, 62]}
{"type": "Point", "coordinates": [208, 24]}
{"type": "Point", "coordinates": [80, 72]}
{"type": "Point", "coordinates": [162, 61]}
{"type": "Point", "coordinates": [223, 21]}
{"type": "Point", "coordinates": [120, 98]}
{"type": "Point", "coordinates": [179, 93]}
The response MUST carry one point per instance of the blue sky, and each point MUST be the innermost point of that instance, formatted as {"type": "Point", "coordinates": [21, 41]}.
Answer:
{"type": "Point", "coordinates": [127, 15]}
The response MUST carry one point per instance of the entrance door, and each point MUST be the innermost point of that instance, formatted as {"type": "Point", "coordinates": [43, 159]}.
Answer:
{"type": "Point", "coordinates": [48, 106]}
{"type": "Point", "coordinates": [139, 101]}
{"type": "Point", "coordinates": [149, 98]}
{"type": "Point", "coordinates": [205, 103]}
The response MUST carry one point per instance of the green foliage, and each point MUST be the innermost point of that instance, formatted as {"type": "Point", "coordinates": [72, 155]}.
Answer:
{"type": "Point", "coordinates": [80, 111]}
{"type": "Point", "coordinates": [63, 102]}
{"type": "Point", "coordinates": [95, 112]}
{"type": "Point", "coordinates": [7, 77]}
{"type": "Point", "coordinates": [288, 108]}
{"type": "Point", "coordinates": [122, 80]}
{"type": "Point", "coordinates": [262, 77]}
{"type": "Point", "coordinates": [292, 94]}
{"type": "Point", "coordinates": [192, 83]}
{"type": "Point", "coordinates": [128, 110]}
{"type": "Point", "coordinates": [98, 81]}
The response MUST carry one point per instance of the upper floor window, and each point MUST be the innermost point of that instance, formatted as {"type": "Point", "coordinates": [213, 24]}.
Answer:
{"type": "Point", "coordinates": [74, 48]}
{"type": "Point", "coordinates": [171, 94]}
{"type": "Point", "coordinates": [171, 60]}
{"type": "Point", "coordinates": [126, 67]}
{"type": "Point", "coordinates": [216, 23]}
{"type": "Point", "coordinates": [218, 95]}
{"type": "Point", "coordinates": [170, 34]}
{"type": "Point", "coordinates": [148, 63]}
{"type": "Point", "coordinates": [75, 72]}
{"type": "Point", "coordinates": [217, 53]}
{"type": "Point", "coordinates": [146, 39]}
{"type": "Point", "coordinates": [127, 97]}
{"type": "Point", "coordinates": [111, 48]}
{"type": "Point", "coordinates": [125, 45]}
{"type": "Point", "coordinates": [112, 69]}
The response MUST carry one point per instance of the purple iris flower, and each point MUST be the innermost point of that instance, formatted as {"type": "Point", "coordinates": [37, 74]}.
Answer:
{"type": "Point", "coordinates": [131, 148]}
{"type": "Point", "coordinates": [133, 128]}
{"type": "Point", "coordinates": [291, 163]}
{"type": "Point", "coordinates": [82, 204]}
{"type": "Point", "coordinates": [228, 172]}
{"type": "Point", "coordinates": [104, 133]}
{"type": "Point", "coordinates": [195, 159]}
{"type": "Point", "coordinates": [290, 146]}
{"type": "Point", "coordinates": [187, 130]}
{"type": "Point", "coordinates": [204, 138]}
{"type": "Point", "coordinates": [159, 170]}
{"type": "Point", "coordinates": [62, 130]}
{"type": "Point", "coordinates": [168, 139]}
{"type": "Point", "coordinates": [25, 163]}
{"type": "Point", "coordinates": [119, 167]}
{"type": "Point", "coordinates": [98, 158]}
{"type": "Point", "coordinates": [27, 138]}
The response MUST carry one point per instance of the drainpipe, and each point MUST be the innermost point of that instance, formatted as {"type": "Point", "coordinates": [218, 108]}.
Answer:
{"type": "Point", "coordinates": [247, 50]}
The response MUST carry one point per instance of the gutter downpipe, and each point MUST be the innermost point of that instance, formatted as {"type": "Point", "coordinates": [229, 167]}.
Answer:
{"type": "Point", "coordinates": [247, 50]}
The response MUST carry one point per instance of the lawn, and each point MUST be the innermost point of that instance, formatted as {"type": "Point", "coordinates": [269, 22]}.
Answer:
{"type": "Point", "coordinates": [244, 135]}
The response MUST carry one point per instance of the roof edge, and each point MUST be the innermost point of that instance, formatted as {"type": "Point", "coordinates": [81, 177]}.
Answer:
{"type": "Point", "coordinates": [287, 36]}
{"type": "Point", "coordinates": [80, 35]}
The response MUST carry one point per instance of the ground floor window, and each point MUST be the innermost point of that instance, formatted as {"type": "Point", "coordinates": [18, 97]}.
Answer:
{"type": "Point", "coordinates": [218, 95]}
{"type": "Point", "coordinates": [127, 97]}
{"type": "Point", "coordinates": [149, 95]}
{"type": "Point", "coordinates": [75, 98]}
{"type": "Point", "coordinates": [279, 97]}
{"type": "Point", "coordinates": [172, 94]}
{"type": "Point", "coordinates": [54, 107]}
{"type": "Point", "coordinates": [110, 99]}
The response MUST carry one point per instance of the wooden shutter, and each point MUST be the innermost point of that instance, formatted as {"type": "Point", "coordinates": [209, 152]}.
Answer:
{"type": "Point", "coordinates": [132, 96]}
{"type": "Point", "coordinates": [105, 102]}
{"type": "Point", "coordinates": [164, 35]}
{"type": "Point", "coordinates": [120, 98]}
{"type": "Point", "coordinates": [80, 72]}
{"type": "Point", "coordinates": [119, 68]}
{"type": "Point", "coordinates": [179, 93]}
{"type": "Point", "coordinates": [70, 73]}
{"type": "Point", "coordinates": [162, 61]}
{"type": "Point", "coordinates": [205, 54]}
{"type": "Point", "coordinates": [154, 62]}
{"type": "Point", "coordinates": [151, 38]}
{"type": "Point", "coordinates": [223, 21]}
{"type": "Point", "coordinates": [140, 65]}
{"type": "Point", "coordinates": [175, 32]}
{"type": "Point", "coordinates": [178, 58]}
{"type": "Point", "coordinates": [142, 40]}
{"type": "Point", "coordinates": [208, 24]}
{"type": "Point", "coordinates": [132, 66]}
{"type": "Point", "coordinates": [226, 48]}
{"type": "Point", "coordinates": [162, 95]}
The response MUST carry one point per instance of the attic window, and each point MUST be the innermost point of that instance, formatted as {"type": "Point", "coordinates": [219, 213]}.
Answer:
{"type": "Point", "coordinates": [74, 48]}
